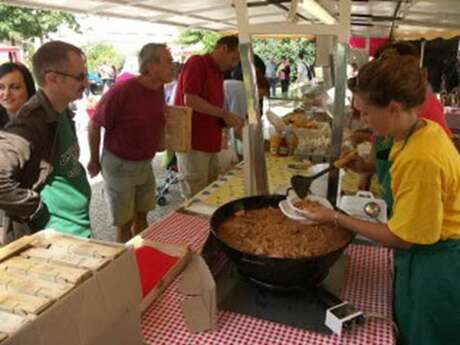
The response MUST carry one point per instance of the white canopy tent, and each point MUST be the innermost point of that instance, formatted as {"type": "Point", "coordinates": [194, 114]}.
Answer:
{"type": "Point", "coordinates": [371, 18]}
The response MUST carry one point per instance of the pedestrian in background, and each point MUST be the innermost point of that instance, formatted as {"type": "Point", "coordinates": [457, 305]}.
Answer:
{"type": "Point", "coordinates": [284, 75]}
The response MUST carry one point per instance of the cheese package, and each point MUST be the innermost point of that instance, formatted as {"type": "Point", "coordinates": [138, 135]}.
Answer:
{"type": "Point", "coordinates": [34, 287]}
{"type": "Point", "coordinates": [45, 271]}
{"type": "Point", "coordinates": [10, 323]}
{"type": "Point", "coordinates": [22, 304]}
{"type": "Point", "coordinates": [77, 246]}
{"type": "Point", "coordinates": [60, 256]}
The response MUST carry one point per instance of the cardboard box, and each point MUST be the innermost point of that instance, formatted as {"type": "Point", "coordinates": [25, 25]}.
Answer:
{"type": "Point", "coordinates": [103, 309]}
{"type": "Point", "coordinates": [178, 129]}
{"type": "Point", "coordinates": [182, 256]}
{"type": "Point", "coordinates": [200, 305]}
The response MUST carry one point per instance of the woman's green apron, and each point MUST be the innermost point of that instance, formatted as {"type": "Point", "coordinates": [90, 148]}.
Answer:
{"type": "Point", "coordinates": [426, 277]}
{"type": "Point", "coordinates": [383, 164]}
{"type": "Point", "coordinates": [427, 282]}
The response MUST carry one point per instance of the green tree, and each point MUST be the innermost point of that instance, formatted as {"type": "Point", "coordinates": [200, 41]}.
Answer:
{"type": "Point", "coordinates": [100, 52]}
{"type": "Point", "coordinates": [23, 24]}
{"type": "Point", "coordinates": [206, 39]}
{"type": "Point", "coordinates": [276, 49]}
{"type": "Point", "coordinates": [267, 49]}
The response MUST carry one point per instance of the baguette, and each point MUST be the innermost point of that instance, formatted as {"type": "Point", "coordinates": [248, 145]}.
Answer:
{"type": "Point", "coordinates": [345, 159]}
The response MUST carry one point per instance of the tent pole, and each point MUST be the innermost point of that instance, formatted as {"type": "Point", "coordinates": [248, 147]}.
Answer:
{"type": "Point", "coordinates": [255, 172]}
{"type": "Point", "coordinates": [422, 52]}
{"type": "Point", "coordinates": [338, 122]}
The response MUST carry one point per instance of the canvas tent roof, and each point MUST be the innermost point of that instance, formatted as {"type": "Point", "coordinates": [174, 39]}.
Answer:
{"type": "Point", "coordinates": [405, 19]}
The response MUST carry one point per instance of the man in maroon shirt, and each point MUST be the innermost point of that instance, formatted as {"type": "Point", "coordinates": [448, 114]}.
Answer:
{"type": "Point", "coordinates": [200, 87]}
{"type": "Point", "coordinates": [132, 114]}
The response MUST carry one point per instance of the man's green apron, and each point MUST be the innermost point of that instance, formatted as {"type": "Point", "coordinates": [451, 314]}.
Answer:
{"type": "Point", "coordinates": [426, 278]}
{"type": "Point", "coordinates": [67, 192]}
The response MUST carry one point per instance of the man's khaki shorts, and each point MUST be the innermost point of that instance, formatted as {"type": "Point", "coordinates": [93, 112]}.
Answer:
{"type": "Point", "coordinates": [197, 169]}
{"type": "Point", "coordinates": [129, 187]}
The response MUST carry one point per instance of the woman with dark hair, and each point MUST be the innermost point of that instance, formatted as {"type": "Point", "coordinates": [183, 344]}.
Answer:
{"type": "Point", "coordinates": [16, 87]}
{"type": "Point", "coordinates": [425, 182]}
{"type": "Point", "coordinates": [430, 109]}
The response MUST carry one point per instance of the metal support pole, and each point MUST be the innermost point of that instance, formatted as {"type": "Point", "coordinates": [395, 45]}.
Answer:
{"type": "Point", "coordinates": [422, 52]}
{"type": "Point", "coordinates": [339, 118]}
{"type": "Point", "coordinates": [339, 102]}
{"type": "Point", "coordinates": [255, 173]}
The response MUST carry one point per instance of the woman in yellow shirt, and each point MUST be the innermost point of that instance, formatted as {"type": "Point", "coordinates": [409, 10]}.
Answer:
{"type": "Point", "coordinates": [425, 226]}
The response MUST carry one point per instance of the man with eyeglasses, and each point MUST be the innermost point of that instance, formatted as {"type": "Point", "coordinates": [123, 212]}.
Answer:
{"type": "Point", "coordinates": [42, 182]}
{"type": "Point", "coordinates": [132, 114]}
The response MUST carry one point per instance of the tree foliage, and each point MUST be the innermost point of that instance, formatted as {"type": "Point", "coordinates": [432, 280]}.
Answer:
{"type": "Point", "coordinates": [101, 52]}
{"type": "Point", "coordinates": [203, 40]}
{"type": "Point", "coordinates": [276, 49]}
{"type": "Point", "coordinates": [267, 49]}
{"type": "Point", "coordinates": [18, 23]}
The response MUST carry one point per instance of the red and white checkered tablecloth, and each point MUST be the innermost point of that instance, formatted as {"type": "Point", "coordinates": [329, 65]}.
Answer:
{"type": "Point", "coordinates": [368, 286]}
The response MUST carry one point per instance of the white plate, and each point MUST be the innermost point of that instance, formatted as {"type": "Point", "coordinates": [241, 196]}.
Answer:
{"type": "Point", "coordinates": [293, 199]}
{"type": "Point", "coordinates": [292, 214]}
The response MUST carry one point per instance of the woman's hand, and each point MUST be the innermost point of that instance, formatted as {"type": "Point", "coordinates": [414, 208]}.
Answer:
{"type": "Point", "coordinates": [320, 214]}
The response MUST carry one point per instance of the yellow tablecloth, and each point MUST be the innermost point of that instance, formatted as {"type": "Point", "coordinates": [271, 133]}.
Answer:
{"type": "Point", "coordinates": [232, 187]}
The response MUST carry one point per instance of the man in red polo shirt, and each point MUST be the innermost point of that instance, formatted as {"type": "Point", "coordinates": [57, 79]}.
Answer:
{"type": "Point", "coordinates": [200, 87]}
{"type": "Point", "coordinates": [132, 114]}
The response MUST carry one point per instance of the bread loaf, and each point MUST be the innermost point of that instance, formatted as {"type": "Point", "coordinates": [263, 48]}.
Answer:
{"type": "Point", "coordinates": [345, 159]}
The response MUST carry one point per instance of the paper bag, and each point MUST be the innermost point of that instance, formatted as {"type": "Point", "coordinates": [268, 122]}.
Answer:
{"type": "Point", "coordinates": [178, 129]}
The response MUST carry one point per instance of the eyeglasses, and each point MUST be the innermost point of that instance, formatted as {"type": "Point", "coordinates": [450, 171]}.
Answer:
{"type": "Point", "coordinates": [80, 78]}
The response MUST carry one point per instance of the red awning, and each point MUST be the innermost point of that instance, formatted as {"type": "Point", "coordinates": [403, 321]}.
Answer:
{"type": "Point", "coordinates": [374, 43]}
